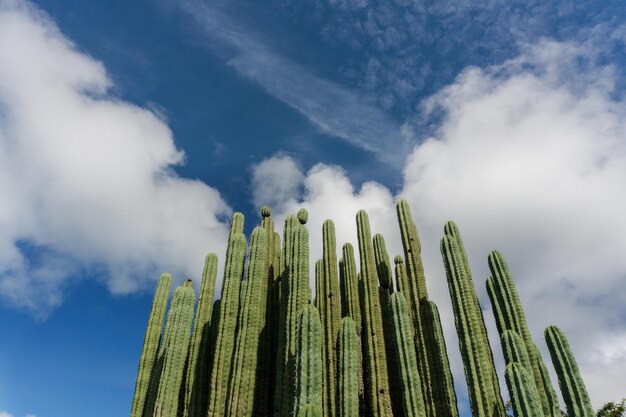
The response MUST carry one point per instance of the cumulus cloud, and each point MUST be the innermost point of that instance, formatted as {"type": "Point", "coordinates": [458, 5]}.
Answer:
{"type": "Point", "coordinates": [87, 180]}
{"type": "Point", "coordinates": [275, 181]}
{"type": "Point", "coordinates": [529, 159]}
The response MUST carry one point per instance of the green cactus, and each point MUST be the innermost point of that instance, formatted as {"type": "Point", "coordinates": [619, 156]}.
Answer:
{"type": "Point", "coordinates": [197, 372]}
{"type": "Point", "coordinates": [522, 390]}
{"type": "Point", "coordinates": [571, 383]}
{"type": "Point", "coordinates": [509, 315]}
{"type": "Point", "coordinates": [408, 375]}
{"type": "Point", "coordinates": [377, 378]}
{"type": "Point", "coordinates": [227, 324]}
{"type": "Point", "coordinates": [173, 350]}
{"type": "Point", "coordinates": [514, 350]}
{"type": "Point", "coordinates": [444, 397]}
{"type": "Point", "coordinates": [151, 344]}
{"type": "Point", "coordinates": [308, 381]}
{"type": "Point", "coordinates": [350, 304]}
{"type": "Point", "coordinates": [309, 410]}
{"type": "Point", "coordinates": [251, 320]}
{"type": "Point", "coordinates": [349, 366]}
{"type": "Point", "coordinates": [297, 294]}
{"type": "Point", "coordinates": [482, 382]}
{"type": "Point", "coordinates": [383, 266]}
{"type": "Point", "coordinates": [319, 277]}
{"type": "Point", "coordinates": [330, 315]}
{"type": "Point", "coordinates": [401, 278]}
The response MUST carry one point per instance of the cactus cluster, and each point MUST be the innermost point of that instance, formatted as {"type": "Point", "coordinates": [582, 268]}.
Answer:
{"type": "Point", "coordinates": [370, 343]}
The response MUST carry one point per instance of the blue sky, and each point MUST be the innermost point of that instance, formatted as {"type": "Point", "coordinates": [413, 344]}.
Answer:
{"type": "Point", "coordinates": [130, 131]}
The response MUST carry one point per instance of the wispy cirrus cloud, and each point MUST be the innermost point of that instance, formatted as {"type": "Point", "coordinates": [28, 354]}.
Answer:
{"type": "Point", "coordinates": [332, 108]}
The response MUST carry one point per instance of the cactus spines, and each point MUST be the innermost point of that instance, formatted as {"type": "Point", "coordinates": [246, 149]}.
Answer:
{"type": "Point", "coordinates": [408, 375]}
{"type": "Point", "coordinates": [308, 381]}
{"type": "Point", "coordinates": [571, 383]}
{"type": "Point", "coordinates": [509, 315]}
{"type": "Point", "coordinates": [350, 304]}
{"type": "Point", "coordinates": [174, 350]}
{"type": "Point", "coordinates": [349, 365]}
{"type": "Point", "coordinates": [377, 378]}
{"type": "Point", "coordinates": [151, 344]}
{"type": "Point", "coordinates": [522, 391]}
{"type": "Point", "coordinates": [442, 388]}
{"type": "Point", "coordinates": [302, 215]}
{"type": "Point", "coordinates": [250, 322]}
{"type": "Point", "coordinates": [227, 324]}
{"type": "Point", "coordinates": [482, 383]}
{"type": "Point", "coordinates": [197, 372]}
{"type": "Point", "coordinates": [412, 250]}
{"type": "Point", "coordinates": [329, 311]}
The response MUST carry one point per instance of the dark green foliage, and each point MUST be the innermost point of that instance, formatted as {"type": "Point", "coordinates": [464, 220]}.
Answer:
{"type": "Point", "coordinates": [349, 365]}
{"type": "Point", "coordinates": [571, 383]}
{"type": "Point", "coordinates": [308, 381]}
{"type": "Point", "coordinates": [376, 375]}
{"type": "Point", "coordinates": [151, 344]}
{"type": "Point", "coordinates": [612, 409]}
{"type": "Point", "coordinates": [408, 375]}
{"type": "Point", "coordinates": [242, 381]}
{"type": "Point", "coordinates": [173, 350]}
{"type": "Point", "coordinates": [522, 391]}
{"type": "Point", "coordinates": [196, 380]}
{"type": "Point", "coordinates": [482, 382]}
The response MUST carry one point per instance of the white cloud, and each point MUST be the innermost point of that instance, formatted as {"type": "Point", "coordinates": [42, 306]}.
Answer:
{"type": "Point", "coordinates": [86, 179]}
{"type": "Point", "coordinates": [530, 160]}
{"type": "Point", "coordinates": [275, 180]}
{"type": "Point", "coordinates": [5, 414]}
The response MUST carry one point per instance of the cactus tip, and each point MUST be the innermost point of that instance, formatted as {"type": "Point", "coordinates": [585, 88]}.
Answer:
{"type": "Point", "coordinates": [266, 211]}
{"type": "Point", "coordinates": [398, 260]}
{"type": "Point", "coordinates": [303, 216]}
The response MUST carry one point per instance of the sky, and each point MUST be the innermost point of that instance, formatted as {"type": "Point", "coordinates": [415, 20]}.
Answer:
{"type": "Point", "coordinates": [131, 131]}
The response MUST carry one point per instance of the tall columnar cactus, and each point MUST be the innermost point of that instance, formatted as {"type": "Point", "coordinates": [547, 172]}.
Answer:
{"type": "Point", "coordinates": [151, 344]}
{"type": "Point", "coordinates": [308, 381]}
{"type": "Point", "coordinates": [350, 303]}
{"type": "Point", "coordinates": [349, 365]}
{"type": "Point", "coordinates": [509, 315]}
{"type": "Point", "coordinates": [330, 314]}
{"type": "Point", "coordinates": [442, 382]}
{"type": "Point", "coordinates": [522, 391]}
{"type": "Point", "coordinates": [319, 277]}
{"type": "Point", "coordinates": [401, 278]}
{"type": "Point", "coordinates": [377, 378]}
{"type": "Point", "coordinates": [309, 410]}
{"type": "Point", "coordinates": [414, 294]}
{"type": "Point", "coordinates": [173, 350]}
{"type": "Point", "coordinates": [571, 383]}
{"type": "Point", "coordinates": [514, 350]}
{"type": "Point", "coordinates": [297, 294]}
{"type": "Point", "coordinates": [227, 324]}
{"type": "Point", "coordinates": [482, 382]}
{"type": "Point", "coordinates": [196, 380]}
{"type": "Point", "coordinates": [243, 378]}
{"type": "Point", "coordinates": [383, 266]}
{"type": "Point", "coordinates": [408, 375]}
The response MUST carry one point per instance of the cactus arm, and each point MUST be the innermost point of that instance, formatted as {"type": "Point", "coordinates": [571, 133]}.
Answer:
{"type": "Point", "coordinates": [522, 391]}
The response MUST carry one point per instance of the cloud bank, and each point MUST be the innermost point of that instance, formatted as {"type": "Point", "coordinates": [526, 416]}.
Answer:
{"type": "Point", "coordinates": [529, 160]}
{"type": "Point", "coordinates": [87, 180]}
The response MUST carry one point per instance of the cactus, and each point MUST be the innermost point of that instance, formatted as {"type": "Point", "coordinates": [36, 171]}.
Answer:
{"type": "Point", "coordinates": [350, 304]}
{"type": "Point", "coordinates": [309, 410]}
{"type": "Point", "coordinates": [151, 344]}
{"type": "Point", "coordinates": [482, 383]}
{"type": "Point", "coordinates": [329, 310]}
{"type": "Point", "coordinates": [515, 350]}
{"type": "Point", "coordinates": [383, 266]}
{"type": "Point", "coordinates": [571, 383]}
{"type": "Point", "coordinates": [444, 397]}
{"type": "Point", "coordinates": [197, 372]}
{"type": "Point", "coordinates": [250, 322]}
{"type": "Point", "coordinates": [377, 378]}
{"type": "Point", "coordinates": [173, 350]}
{"type": "Point", "coordinates": [308, 381]}
{"type": "Point", "coordinates": [408, 375]}
{"type": "Point", "coordinates": [296, 293]}
{"type": "Point", "coordinates": [349, 365]}
{"type": "Point", "coordinates": [401, 279]}
{"type": "Point", "coordinates": [509, 315]}
{"type": "Point", "coordinates": [227, 324]}
{"type": "Point", "coordinates": [522, 390]}
{"type": "Point", "coordinates": [319, 277]}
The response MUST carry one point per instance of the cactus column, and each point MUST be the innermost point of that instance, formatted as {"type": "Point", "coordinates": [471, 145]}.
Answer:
{"type": "Point", "coordinates": [509, 315]}
{"type": "Point", "coordinates": [522, 391]}
{"type": "Point", "coordinates": [482, 382]}
{"type": "Point", "coordinates": [571, 383]}
{"type": "Point", "coordinates": [174, 350]}
{"type": "Point", "coordinates": [197, 372]}
{"type": "Point", "coordinates": [350, 304]}
{"type": "Point", "coordinates": [151, 344]}
{"type": "Point", "coordinates": [377, 378]}
{"type": "Point", "coordinates": [349, 364]}
{"type": "Point", "coordinates": [308, 381]}
{"type": "Point", "coordinates": [227, 324]}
